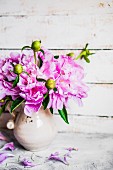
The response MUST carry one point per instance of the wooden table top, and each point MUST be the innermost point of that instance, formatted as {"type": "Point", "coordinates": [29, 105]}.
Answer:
{"type": "Point", "coordinates": [95, 151]}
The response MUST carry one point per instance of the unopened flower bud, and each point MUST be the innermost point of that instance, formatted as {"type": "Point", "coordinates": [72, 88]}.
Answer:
{"type": "Point", "coordinates": [50, 84]}
{"type": "Point", "coordinates": [71, 54]}
{"type": "Point", "coordinates": [83, 53]}
{"type": "Point", "coordinates": [10, 124]}
{"type": "Point", "coordinates": [18, 69]}
{"type": "Point", "coordinates": [2, 101]}
{"type": "Point", "coordinates": [36, 45]}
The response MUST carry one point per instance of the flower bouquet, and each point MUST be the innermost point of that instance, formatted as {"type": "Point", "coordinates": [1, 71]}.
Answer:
{"type": "Point", "coordinates": [38, 78]}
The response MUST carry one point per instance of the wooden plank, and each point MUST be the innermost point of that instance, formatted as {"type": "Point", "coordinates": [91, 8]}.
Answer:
{"type": "Point", "coordinates": [100, 69]}
{"type": "Point", "coordinates": [64, 7]}
{"type": "Point", "coordinates": [57, 32]}
{"type": "Point", "coordinates": [99, 101]}
{"type": "Point", "coordinates": [85, 124]}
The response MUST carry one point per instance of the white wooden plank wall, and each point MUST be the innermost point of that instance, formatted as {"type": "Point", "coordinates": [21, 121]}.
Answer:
{"type": "Point", "coordinates": [63, 26]}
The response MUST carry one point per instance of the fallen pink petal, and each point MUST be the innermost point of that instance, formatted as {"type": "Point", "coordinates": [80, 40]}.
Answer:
{"type": "Point", "coordinates": [8, 146]}
{"type": "Point", "coordinates": [2, 137]}
{"type": "Point", "coordinates": [4, 156]}
{"type": "Point", "coordinates": [56, 157]}
{"type": "Point", "coordinates": [68, 155]}
{"type": "Point", "coordinates": [27, 163]}
{"type": "Point", "coordinates": [72, 149]}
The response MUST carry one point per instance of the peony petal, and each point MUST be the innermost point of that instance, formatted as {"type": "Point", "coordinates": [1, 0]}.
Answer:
{"type": "Point", "coordinates": [59, 158]}
{"type": "Point", "coordinates": [4, 156]}
{"type": "Point", "coordinates": [29, 108]}
{"type": "Point", "coordinates": [27, 163]}
{"type": "Point", "coordinates": [8, 146]}
{"type": "Point", "coordinates": [72, 149]}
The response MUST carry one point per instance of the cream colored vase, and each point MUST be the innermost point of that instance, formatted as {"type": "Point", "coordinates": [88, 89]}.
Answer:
{"type": "Point", "coordinates": [36, 132]}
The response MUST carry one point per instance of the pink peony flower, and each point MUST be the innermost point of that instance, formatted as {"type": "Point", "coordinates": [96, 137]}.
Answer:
{"type": "Point", "coordinates": [68, 76]}
{"type": "Point", "coordinates": [33, 97]}
{"type": "Point", "coordinates": [30, 84]}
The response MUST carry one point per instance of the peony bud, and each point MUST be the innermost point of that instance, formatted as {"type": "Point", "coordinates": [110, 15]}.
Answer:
{"type": "Point", "coordinates": [36, 45]}
{"type": "Point", "coordinates": [71, 54]}
{"type": "Point", "coordinates": [18, 69]}
{"type": "Point", "coordinates": [2, 101]}
{"type": "Point", "coordinates": [50, 84]}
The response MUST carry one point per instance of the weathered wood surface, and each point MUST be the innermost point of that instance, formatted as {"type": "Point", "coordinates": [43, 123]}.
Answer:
{"type": "Point", "coordinates": [64, 7]}
{"type": "Point", "coordinates": [79, 29]}
{"type": "Point", "coordinates": [85, 124]}
{"type": "Point", "coordinates": [62, 24]}
{"type": "Point", "coordinates": [95, 151]}
{"type": "Point", "coordinates": [98, 102]}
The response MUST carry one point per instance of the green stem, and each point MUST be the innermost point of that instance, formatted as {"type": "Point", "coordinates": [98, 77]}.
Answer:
{"type": "Point", "coordinates": [35, 56]}
{"type": "Point", "coordinates": [79, 56]}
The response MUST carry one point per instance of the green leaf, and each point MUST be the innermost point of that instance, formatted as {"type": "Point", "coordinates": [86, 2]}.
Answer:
{"type": "Point", "coordinates": [2, 109]}
{"type": "Point", "coordinates": [41, 62]}
{"type": "Point", "coordinates": [42, 51]}
{"type": "Point", "coordinates": [16, 81]}
{"type": "Point", "coordinates": [45, 101]}
{"type": "Point", "coordinates": [8, 98]}
{"type": "Point", "coordinates": [45, 95]}
{"type": "Point", "coordinates": [63, 114]}
{"type": "Point", "coordinates": [16, 103]}
{"type": "Point", "coordinates": [23, 48]}
{"type": "Point", "coordinates": [86, 59]}
{"type": "Point", "coordinates": [51, 110]}
{"type": "Point", "coordinates": [55, 89]}
{"type": "Point", "coordinates": [56, 57]}
{"type": "Point", "coordinates": [41, 80]}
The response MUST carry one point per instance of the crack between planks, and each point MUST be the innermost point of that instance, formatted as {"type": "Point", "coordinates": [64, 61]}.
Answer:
{"type": "Point", "coordinates": [93, 116]}
{"type": "Point", "coordinates": [62, 49]}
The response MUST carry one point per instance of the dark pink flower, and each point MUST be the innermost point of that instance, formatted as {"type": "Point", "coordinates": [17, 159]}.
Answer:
{"type": "Point", "coordinates": [34, 98]}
